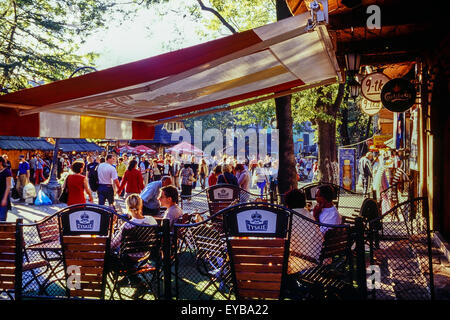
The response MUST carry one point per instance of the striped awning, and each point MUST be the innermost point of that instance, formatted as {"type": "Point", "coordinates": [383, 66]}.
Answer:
{"type": "Point", "coordinates": [126, 101]}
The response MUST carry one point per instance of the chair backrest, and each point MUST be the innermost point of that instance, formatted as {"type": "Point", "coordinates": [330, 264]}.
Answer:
{"type": "Point", "coordinates": [258, 266]}
{"type": "Point", "coordinates": [48, 229]}
{"type": "Point", "coordinates": [10, 249]}
{"type": "Point", "coordinates": [221, 196]}
{"type": "Point", "coordinates": [336, 243]}
{"type": "Point", "coordinates": [257, 241]}
{"type": "Point", "coordinates": [84, 261]}
{"type": "Point", "coordinates": [142, 241]}
{"type": "Point", "coordinates": [86, 219]}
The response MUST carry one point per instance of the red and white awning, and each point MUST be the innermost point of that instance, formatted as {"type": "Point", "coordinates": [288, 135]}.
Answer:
{"type": "Point", "coordinates": [124, 102]}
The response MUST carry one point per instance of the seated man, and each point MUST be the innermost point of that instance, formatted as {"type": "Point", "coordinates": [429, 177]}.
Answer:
{"type": "Point", "coordinates": [325, 212]}
{"type": "Point", "coordinates": [169, 198]}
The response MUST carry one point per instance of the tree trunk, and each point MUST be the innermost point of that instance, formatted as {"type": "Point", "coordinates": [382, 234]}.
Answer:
{"type": "Point", "coordinates": [328, 163]}
{"type": "Point", "coordinates": [287, 175]}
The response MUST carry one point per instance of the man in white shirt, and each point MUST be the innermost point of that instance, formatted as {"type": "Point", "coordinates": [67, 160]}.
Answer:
{"type": "Point", "coordinates": [325, 212]}
{"type": "Point", "coordinates": [107, 176]}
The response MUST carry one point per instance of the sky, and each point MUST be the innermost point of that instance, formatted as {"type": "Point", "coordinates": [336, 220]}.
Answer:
{"type": "Point", "coordinates": [145, 36]}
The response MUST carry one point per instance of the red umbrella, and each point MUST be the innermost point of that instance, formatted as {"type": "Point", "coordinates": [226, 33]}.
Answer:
{"type": "Point", "coordinates": [127, 149]}
{"type": "Point", "coordinates": [184, 147]}
{"type": "Point", "coordinates": [144, 149]}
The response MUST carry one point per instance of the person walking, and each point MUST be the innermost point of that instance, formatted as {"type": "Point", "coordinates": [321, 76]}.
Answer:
{"type": "Point", "coordinates": [23, 175]}
{"type": "Point", "coordinates": [5, 186]}
{"type": "Point", "coordinates": [366, 169]}
{"type": "Point", "coordinates": [144, 168]}
{"type": "Point", "coordinates": [212, 180]}
{"type": "Point", "coordinates": [77, 185]}
{"type": "Point", "coordinates": [244, 179]}
{"type": "Point", "coordinates": [156, 170]}
{"type": "Point", "coordinates": [132, 181]}
{"type": "Point", "coordinates": [203, 173]}
{"type": "Point", "coordinates": [261, 177]}
{"type": "Point", "coordinates": [176, 169]}
{"type": "Point", "coordinates": [194, 167]}
{"type": "Point", "coordinates": [39, 170]}
{"type": "Point", "coordinates": [121, 168]}
{"type": "Point", "coordinates": [187, 178]}
{"type": "Point", "coordinates": [90, 171]}
{"type": "Point", "coordinates": [107, 176]}
{"type": "Point", "coordinates": [227, 177]}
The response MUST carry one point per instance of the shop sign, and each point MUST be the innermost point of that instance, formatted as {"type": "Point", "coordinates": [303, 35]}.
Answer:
{"type": "Point", "coordinates": [369, 107]}
{"type": "Point", "coordinates": [398, 95]}
{"type": "Point", "coordinates": [378, 141]}
{"type": "Point", "coordinates": [372, 84]}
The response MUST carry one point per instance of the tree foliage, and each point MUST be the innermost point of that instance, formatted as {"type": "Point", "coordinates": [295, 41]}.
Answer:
{"type": "Point", "coordinates": [39, 38]}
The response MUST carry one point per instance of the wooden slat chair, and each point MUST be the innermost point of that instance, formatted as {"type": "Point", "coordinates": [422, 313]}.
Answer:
{"type": "Point", "coordinates": [12, 264]}
{"type": "Point", "coordinates": [257, 242]}
{"type": "Point", "coordinates": [84, 261]}
{"type": "Point", "coordinates": [138, 262]}
{"type": "Point", "coordinates": [8, 256]}
{"type": "Point", "coordinates": [331, 278]}
{"type": "Point", "coordinates": [258, 266]}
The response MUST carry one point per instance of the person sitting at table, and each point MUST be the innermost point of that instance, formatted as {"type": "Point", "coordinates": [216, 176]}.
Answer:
{"type": "Point", "coordinates": [306, 238]}
{"type": "Point", "coordinates": [325, 212]}
{"type": "Point", "coordinates": [168, 198]}
{"type": "Point", "coordinates": [134, 205]}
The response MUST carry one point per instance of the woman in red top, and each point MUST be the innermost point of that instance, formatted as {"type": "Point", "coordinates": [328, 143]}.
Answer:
{"type": "Point", "coordinates": [77, 184]}
{"type": "Point", "coordinates": [212, 179]}
{"type": "Point", "coordinates": [132, 179]}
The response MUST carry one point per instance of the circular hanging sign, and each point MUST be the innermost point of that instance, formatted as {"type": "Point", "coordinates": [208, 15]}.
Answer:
{"type": "Point", "coordinates": [369, 107]}
{"type": "Point", "coordinates": [398, 95]}
{"type": "Point", "coordinates": [372, 84]}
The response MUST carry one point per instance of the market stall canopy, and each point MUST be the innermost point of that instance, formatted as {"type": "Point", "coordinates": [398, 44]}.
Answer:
{"type": "Point", "coordinates": [24, 143]}
{"type": "Point", "coordinates": [126, 101]}
{"type": "Point", "coordinates": [78, 145]}
{"type": "Point", "coordinates": [144, 149]}
{"type": "Point", "coordinates": [185, 148]}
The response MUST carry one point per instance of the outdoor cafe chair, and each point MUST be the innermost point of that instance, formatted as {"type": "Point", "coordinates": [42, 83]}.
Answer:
{"type": "Point", "coordinates": [211, 259]}
{"type": "Point", "coordinates": [331, 278]}
{"type": "Point", "coordinates": [85, 232]}
{"type": "Point", "coordinates": [137, 263]}
{"type": "Point", "coordinates": [257, 241]}
{"type": "Point", "coordinates": [14, 262]}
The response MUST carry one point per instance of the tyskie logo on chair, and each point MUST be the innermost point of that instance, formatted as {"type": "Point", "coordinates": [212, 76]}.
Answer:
{"type": "Point", "coordinates": [256, 223]}
{"type": "Point", "coordinates": [85, 223]}
{"type": "Point", "coordinates": [223, 194]}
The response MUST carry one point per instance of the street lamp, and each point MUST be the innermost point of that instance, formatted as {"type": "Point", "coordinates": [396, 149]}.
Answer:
{"type": "Point", "coordinates": [352, 63]}
{"type": "Point", "coordinates": [353, 87]}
